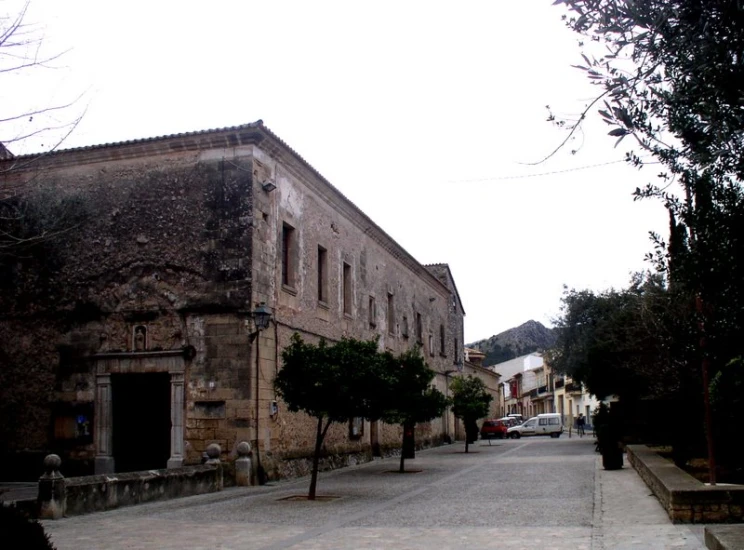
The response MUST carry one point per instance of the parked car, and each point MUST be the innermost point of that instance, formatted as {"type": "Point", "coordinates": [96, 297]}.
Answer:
{"type": "Point", "coordinates": [510, 421]}
{"type": "Point", "coordinates": [543, 424]}
{"type": "Point", "coordinates": [516, 416]}
{"type": "Point", "coordinates": [493, 428]}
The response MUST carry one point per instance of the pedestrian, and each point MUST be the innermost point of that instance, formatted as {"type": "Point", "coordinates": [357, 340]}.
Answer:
{"type": "Point", "coordinates": [580, 422]}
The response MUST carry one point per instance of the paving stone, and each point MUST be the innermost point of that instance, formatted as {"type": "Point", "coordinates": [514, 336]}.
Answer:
{"type": "Point", "coordinates": [535, 493]}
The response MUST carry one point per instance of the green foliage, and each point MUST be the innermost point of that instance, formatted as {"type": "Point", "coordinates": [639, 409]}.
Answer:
{"type": "Point", "coordinates": [470, 398]}
{"type": "Point", "coordinates": [669, 74]}
{"type": "Point", "coordinates": [332, 383]}
{"type": "Point", "coordinates": [727, 401]}
{"type": "Point", "coordinates": [470, 401]}
{"type": "Point", "coordinates": [19, 531]}
{"type": "Point", "coordinates": [411, 398]}
{"type": "Point", "coordinates": [351, 378]}
{"type": "Point", "coordinates": [668, 68]}
{"type": "Point", "coordinates": [618, 342]}
{"type": "Point", "coordinates": [336, 382]}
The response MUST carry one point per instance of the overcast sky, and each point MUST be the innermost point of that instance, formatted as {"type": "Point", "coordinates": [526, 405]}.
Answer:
{"type": "Point", "coordinates": [427, 115]}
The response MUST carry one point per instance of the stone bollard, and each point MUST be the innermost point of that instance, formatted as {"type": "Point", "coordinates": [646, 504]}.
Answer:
{"type": "Point", "coordinates": [52, 499]}
{"type": "Point", "coordinates": [243, 465]}
{"type": "Point", "coordinates": [213, 452]}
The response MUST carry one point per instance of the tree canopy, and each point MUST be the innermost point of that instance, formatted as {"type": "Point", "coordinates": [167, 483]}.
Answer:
{"type": "Point", "coordinates": [622, 342]}
{"type": "Point", "coordinates": [669, 76]}
{"type": "Point", "coordinates": [411, 398]}
{"type": "Point", "coordinates": [332, 383]}
{"type": "Point", "coordinates": [470, 402]}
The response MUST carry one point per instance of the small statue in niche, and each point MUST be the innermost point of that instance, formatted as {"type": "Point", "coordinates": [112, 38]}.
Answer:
{"type": "Point", "coordinates": [103, 341]}
{"type": "Point", "coordinates": [140, 338]}
{"type": "Point", "coordinates": [176, 337]}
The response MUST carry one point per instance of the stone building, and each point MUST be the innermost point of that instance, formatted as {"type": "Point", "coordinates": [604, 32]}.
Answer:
{"type": "Point", "coordinates": [127, 338]}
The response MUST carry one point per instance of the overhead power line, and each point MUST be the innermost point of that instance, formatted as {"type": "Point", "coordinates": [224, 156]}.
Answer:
{"type": "Point", "coordinates": [540, 174]}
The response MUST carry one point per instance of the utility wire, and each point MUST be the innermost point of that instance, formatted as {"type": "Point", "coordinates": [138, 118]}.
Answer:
{"type": "Point", "coordinates": [540, 174]}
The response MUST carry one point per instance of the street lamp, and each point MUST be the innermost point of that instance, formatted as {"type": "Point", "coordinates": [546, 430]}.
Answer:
{"type": "Point", "coordinates": [261, 318]}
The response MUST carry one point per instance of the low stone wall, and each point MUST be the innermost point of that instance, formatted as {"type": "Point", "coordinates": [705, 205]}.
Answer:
{"type": "Point", "coordinates": [103, 492]}
{"type": "Point", "coordinates": [686, 499]}
{"type": "Point", "coordinates": [59, 496]}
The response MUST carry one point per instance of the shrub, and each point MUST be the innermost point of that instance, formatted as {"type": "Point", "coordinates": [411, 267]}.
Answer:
{"type": "Point", "coordinates": [17, 530]}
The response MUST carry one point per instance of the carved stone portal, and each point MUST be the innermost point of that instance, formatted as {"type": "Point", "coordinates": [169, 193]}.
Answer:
{"type": "Point", "coordinates": [171, 361]}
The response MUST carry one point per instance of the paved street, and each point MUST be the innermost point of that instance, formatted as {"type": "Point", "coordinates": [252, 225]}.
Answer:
{"type": "Point", "coordinates": [528, 493]}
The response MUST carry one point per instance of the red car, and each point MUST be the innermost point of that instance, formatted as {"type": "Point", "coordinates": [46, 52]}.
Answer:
{"type": "Point", "coordinates": [494, 428]}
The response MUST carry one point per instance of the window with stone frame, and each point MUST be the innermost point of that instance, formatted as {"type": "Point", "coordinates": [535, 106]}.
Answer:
{"type": "Point", "coordinates": [419, 329]}
{"type": "Point", "coordinates": [347, 290]}
{"type": "Point", "coordinates": [404, 327]}
{"type": "Point", "coordinates": [289, 256]}
{"type": "Point", "coordinates": [431, 344]}
{"type": "Point", "coordinates": [391, 313]}
{"type": "Point", "coordinates": [372, 312]}
{"type": "Point", "coordinates": [322, 275]}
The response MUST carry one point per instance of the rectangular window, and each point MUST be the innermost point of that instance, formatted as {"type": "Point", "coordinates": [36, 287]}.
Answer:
{"type": "Point", "coordinates": [431, 344]}
{"type": "Point", "coordinates": [442, 350]}
{"type": "Point", "coordinates": [322, 274]}
{"type": "Point", "coordinates": [347, 288]}
{"type": "Point", "coordinates": [288, 255]}
{"type": "Point", "coordinates": [372, 312]}
{"type": "Point", "coordinates": [390, 313]}
{"type": "Point", "coordinates": [404, 327]}
{"type": "Point", "coordinates": [419, 329]}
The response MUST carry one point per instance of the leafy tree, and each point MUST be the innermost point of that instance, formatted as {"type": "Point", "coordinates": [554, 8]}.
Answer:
{"type": "Point", "coordinates": [616, 342]}
{"type": "Point", "coordinates": [470, 401]}
{"type": "Point", "coordinates": [670, 75]}
{"type": "Point", "coordinates": [332, 383]}
{"type": "Point", "coordinates": [411, 398]}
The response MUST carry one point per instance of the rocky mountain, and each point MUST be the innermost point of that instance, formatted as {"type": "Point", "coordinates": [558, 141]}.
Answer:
{"type": "Point", "coordinates": [526, 338]}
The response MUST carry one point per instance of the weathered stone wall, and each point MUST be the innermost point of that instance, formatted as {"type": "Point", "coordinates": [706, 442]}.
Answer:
{"type": "Point", "coordinates": [178, 236]}
{"type": "Point", "coordinates": [161, 241]}
{"type": "Point", "coordinates": [98, 493]}
{"type": "Point", "coordinates": [379, 268]}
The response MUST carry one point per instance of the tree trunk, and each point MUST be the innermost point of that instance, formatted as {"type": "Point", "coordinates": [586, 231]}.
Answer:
{"type": "Point", "coordinates": [403, 453]}
{"type": "Point", "coordinates": [319, 435]}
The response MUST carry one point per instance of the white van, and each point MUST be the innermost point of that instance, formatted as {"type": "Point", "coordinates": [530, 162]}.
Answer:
{"type": "Point", "coordinates": [543, 424]}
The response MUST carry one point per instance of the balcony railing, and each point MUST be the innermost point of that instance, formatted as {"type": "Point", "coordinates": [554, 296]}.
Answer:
{"type": "Point", "coordinates": [573, 387]}
{"type": "Point", "coordinates": [559, 382]}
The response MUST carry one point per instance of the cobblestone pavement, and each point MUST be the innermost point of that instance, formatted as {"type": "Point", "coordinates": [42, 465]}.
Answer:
{"type": "Point", "coordinates": [514, 494]}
